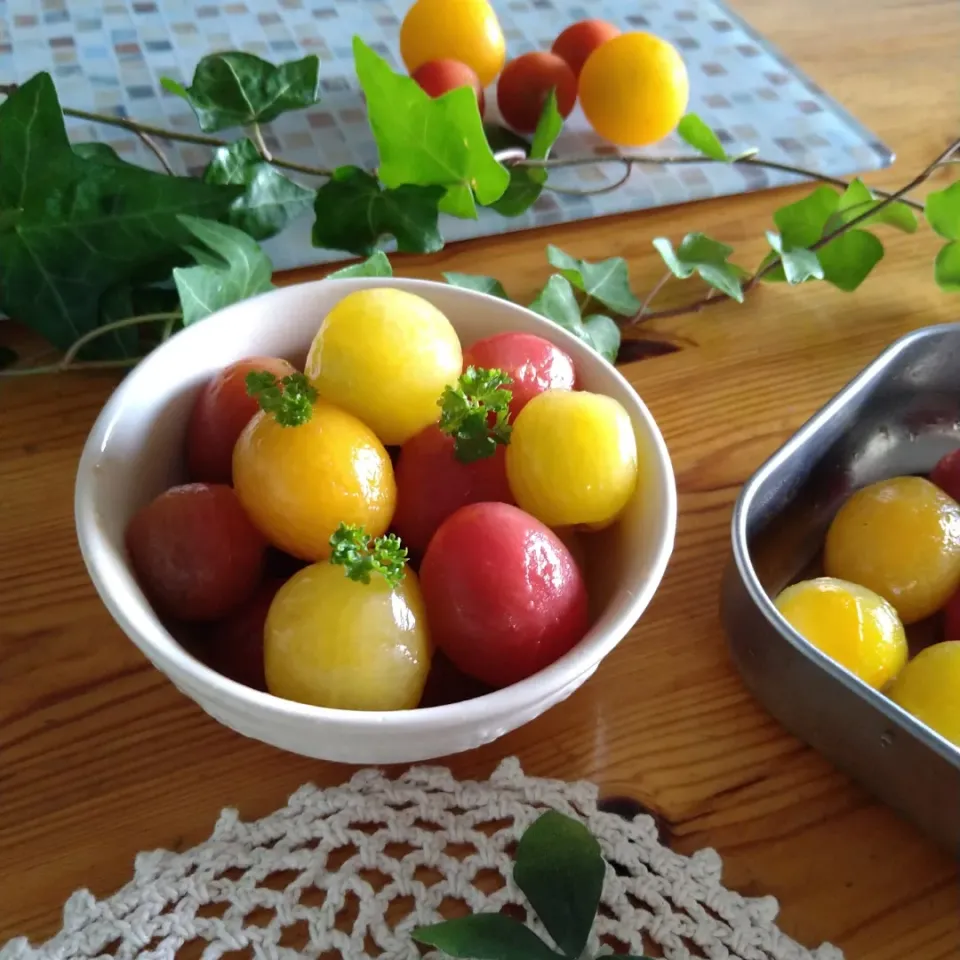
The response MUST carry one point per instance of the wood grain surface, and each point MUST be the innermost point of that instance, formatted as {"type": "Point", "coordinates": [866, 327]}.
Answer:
{"type": "Point", "coordinates": [100, 757]}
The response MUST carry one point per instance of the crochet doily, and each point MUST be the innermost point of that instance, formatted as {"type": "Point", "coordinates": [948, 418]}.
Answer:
{"type": "Point", "coordinates": [350, 871]}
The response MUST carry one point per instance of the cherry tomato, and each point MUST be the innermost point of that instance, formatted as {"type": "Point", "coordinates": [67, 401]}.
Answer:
{"type": "Point", "coordinates": [234, 646]}
{"type": "Point", "coordinates": [533, 363]}
{"type": "Point", "coordinates": [503, 594]}
{"type": "Point", "coordinates": [335, 642]}
{"type": "Point", "coordinates": [298, 484]}
{"type": "Point", "coordinates": [579, 40]}
{"type": "Point", "coordinates": [432, 484]}
{"type": "Point", "coordinates": [525, 84]}
{"type": "Point", "coordinates": [438, 77]}
{"type": "Point", "coordinates": [946, 474]}
{"type": "Point", "coordinates": [221, 411]}
{"type": "Point", "coordinates": [195, 552]}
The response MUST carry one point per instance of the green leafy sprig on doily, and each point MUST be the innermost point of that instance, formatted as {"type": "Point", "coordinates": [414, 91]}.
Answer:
{"type": "Point", "coordinates": [105, 259]}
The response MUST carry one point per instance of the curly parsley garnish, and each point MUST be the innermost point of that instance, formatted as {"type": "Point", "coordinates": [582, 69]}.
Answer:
{"type": "Point", "coordinates": [361, 556]}
{"type": "Point", "coordinates": [289, 400]}
{"type": "Point", "coordinates": [476, 413]}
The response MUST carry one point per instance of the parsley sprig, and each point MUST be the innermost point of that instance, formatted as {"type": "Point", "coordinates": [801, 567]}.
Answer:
{"type": "Point", "coordinates": [476, 413]}
{"type": "Point", "coordinates": [289, 400]}
{"type": "Point", "coordinates": [354, 550]}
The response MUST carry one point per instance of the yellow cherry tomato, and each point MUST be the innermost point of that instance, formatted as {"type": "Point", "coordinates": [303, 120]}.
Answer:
{"type": "Point", "coordinates": [572, 458]}
{"type": "Point", "coordinates": [385, 355]}
{"type": "Point", "coordinates": [297, 484]}
{"type": "Point", "coordinates": [901, 539]}
{"type": "Point", "coordinates": [464, 30]}
{"type": "Point", "coordinates": [634, 89]}
{"type": "Point", "coordinates": [334, 642]}
{"type": "Point", "coordinates": [929, 688]}
{"type": "Point", "coordinates": [850, 624]}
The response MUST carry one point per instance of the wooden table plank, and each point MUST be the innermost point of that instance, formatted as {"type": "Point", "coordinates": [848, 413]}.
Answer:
{"type": "Point", "coordinates": [100, 757]}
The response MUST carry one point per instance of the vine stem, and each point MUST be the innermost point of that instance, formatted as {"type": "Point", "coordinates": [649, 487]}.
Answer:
{"type": "Point", "coordinates": [260, 143]}
{"type": "Point", "coordinates": [69, 362]}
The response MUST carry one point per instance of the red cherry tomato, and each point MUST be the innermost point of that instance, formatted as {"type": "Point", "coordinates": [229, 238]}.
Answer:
{"type": "Point", "coordinates": [432, 484]}
{"type": "Point", "coordinates": [946, 474]}
{"type": "Point", "coordinates": [438, 77]}
{"type": "Point", "coordinates": [221, 411]}
{"type": "Point", "coordinates": [504, 596]}
{"type": "Point", "coordinates": [579, 40]}
{"type": "Point", "coordinates": [234, 646]}
{"type": "Point", "coordinates": [525, 84]}
{"type": "Point", "coordinates": [195, 552]}
{"type": "Point", "coordinates": [534, 365]}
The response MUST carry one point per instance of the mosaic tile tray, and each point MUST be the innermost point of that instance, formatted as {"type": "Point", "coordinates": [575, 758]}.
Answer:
{"type": "Point", "coordinates": [108, 56]}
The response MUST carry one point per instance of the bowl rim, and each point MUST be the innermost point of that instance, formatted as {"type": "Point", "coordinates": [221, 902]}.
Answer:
{"type": "Point", "coordinates": [166, 653]}
{"type": "Point", "coordinates": [743, 562]}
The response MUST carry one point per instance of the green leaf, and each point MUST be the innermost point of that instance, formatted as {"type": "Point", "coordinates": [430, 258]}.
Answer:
{"type": "Point", "coordinates": [607, 282]}
{"type": "Point", "coordinates": [354, 212]}
{"type": "Point", "coordinates": [8, 357]}
{"type": "Point", "coordinates": [526, 183]}
{"type": "Point", "coordinates": [31, 135]}
{"type": "Point", "coordinates": [698, 135]}
{"type": "Point", "coordinates": [83, 226]}
{"type": "Point", "coordinates": [101, 152]}
{"type": "Point", "coordinates": [848, 259]}
{"type": "Point", "coordinates": [801, 224]}
{"type": "Point", "coordinates": [946, 268]}
{"type": "Point", "coordinates": [485, 936]}
{"type": "Point", "coordinates": [237, 89]}
{"type": "Point", "coordinates": [798, 264]}
{"type": "Point", "coordinates": [603, 335]}
{"type": "Point", "coordinates": [424, 141]}
{"type": "Point", "coordinates": [707, 257]}
{"type": "Point", "coordinates": [270, 202]}
{"type": "Point", "coordinates": [231, 267]}
{"type": "Point", "coordinates": [942, 210]}
{"type": "Point", "coordinates": [557, 302]}
{"type": "Point", "coordinates": [474, 281]}
{"type": "Point", "coordinates": [857, 200]}
{"type": "Point", "coordinates": [377, 265]}
{"type": "Point", "coordinates": [560, 868]}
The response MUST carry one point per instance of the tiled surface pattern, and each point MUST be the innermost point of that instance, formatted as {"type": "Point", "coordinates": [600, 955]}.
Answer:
{"type": "Point", "coordinates": [108, 55]}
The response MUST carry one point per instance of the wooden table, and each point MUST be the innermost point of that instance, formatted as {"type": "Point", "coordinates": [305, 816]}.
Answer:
{"type": "Point", "coordinates": [100, 757]}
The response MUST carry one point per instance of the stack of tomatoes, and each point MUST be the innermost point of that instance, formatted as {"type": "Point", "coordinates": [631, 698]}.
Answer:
{"type": "Point", "coordinates": [399, 495]}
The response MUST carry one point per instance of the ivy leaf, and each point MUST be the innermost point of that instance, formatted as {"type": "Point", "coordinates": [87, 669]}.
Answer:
{"type": "Point", "coordinates": [701, 254]}
{"type": "Point", "coordinates": [801, 224]}
{"type": "Point", "coordinates": [797, 264]}
{"type": "Point", "coordinates": [857, 200]}
{"type": "Point", "coordinates": [83, 226]}
{"type": "Point", "coordinates": [557, 302]}
{"type": "Point", "coordinates": [526, 183]}
{"type": "Point", "coordinates": [377, 265]}
{"type": "Point", "coordinates": [848, 259]}
{"type": "Point", "coordinates": [942, 210]}
{"type": "Point", "coordinates": [271, 201]}
{"type": "Point", "coordinates": [473, 281]}
{"type": "Point", "coordinates": [231, 267]}
{"type": "Point", "coordinates": [354, 211]}
{"type": "Point", "coordinates": [101, 152]}
{"type": "Point", "coordinates": [560, 869]}
{"type": "Point", "coordinates": [607, 282]}
{"type": "Point", "coordinates": [237, 89]}
{"type": "Point", "coordinates": [8, 357]}
{"type": "Point", "coordinates": [603, 335]}
{"type": "Point", "coordinates": [485, 936]}
{"type": "Point", "coordinates": [946, 268]}
{"type": "Point", "coordinates": [692, 130]}
{"type": "Point", "coordinates": [427, 142]}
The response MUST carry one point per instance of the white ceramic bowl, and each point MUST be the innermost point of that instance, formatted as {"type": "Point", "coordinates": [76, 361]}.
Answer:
{"type": "Point", "coordinates": [135, 451]}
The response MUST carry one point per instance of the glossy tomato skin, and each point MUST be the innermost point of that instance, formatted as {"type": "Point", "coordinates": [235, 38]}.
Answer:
{"type": "Point", "coordinates": [525, 85]}
{"type": "Point", "coordinates": [195, 552]}
{"type": "Point", "coordinates": [234, 646]}
{"type": "Point", "coordinates": [221, 411]}
{"type": "Point", "coordinates": [533, 363]}
{"type": "Point", "coordinates": [579, 40]}
{"type": "Point", "coordinates": [432, 484]}
{"type": "Point", "coordinates": [503, 595]}
{"type": "Point", "coordinates": [437, 77]}
{"type": "Point", "coordinates": [946, 474]}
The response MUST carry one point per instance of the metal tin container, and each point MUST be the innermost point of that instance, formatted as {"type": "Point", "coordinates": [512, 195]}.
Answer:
{"type": "Point", "coordinates": [899, 416]}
